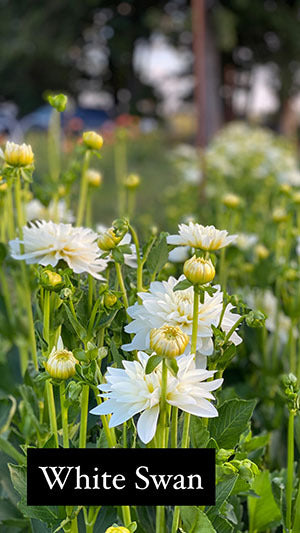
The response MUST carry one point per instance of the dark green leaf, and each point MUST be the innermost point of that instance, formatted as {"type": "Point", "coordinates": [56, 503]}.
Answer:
{"type": "Point", "coordinates": [182, 285]}
{"type": "Point", "coordinates": [232, 421]}
{"type": "Point", "coordinates": [152, 363]}
{"type": "Point", "coordinates": [158, 255]}
{"type": "Point", "coordinates": [196, 521]}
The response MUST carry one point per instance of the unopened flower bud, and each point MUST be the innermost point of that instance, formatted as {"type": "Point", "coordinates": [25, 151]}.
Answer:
{"type": "Point", "coordinates": [291, 274]}
{"type": "Point", "coordinates": [51, 280]}
{"type": "Point", "coordinates": [59, 101]}
{"type": "Point", "coordinates": [168, 341]}
{"type": "Point", "coordinates": [65, 294]}
{"type": "Point", "coordinates": [92, 140]}
{"type": "Point", "coordinates": [61, 191]}
{"type": "Point", "coordinates": [94, 178]}
{"type": "Point", "coordinates": [117, 529]}
{"type": "Point", "coordinates": [229, 469]}
{"type": "Point", "coordinates": [61, 364]}
{"type": "Point", "coordinates": [109, 240]}
{"type": "Point", "coordinates": [285, 188]}
{"type": "Point", "coordinates": [132, 181]}
{"type": "Point", "coordinates": [110, 299]}
{"type": "Point", "coordinates": [3, 186]}
{"type": "Point", "coordinates": [296, 197]}
{"type": "Point", "coordinates": [279, 215]}
{"type": "Point", "coordinates": [261, 251]}
{"type": "Point", "coordinates": [223, 455]}
{"type": "Point", "coordinates": [198, 270]}
{"type": "Point", "coordinates": [18, 155]}
{"type": "Point", "coordinates": [231, 200]}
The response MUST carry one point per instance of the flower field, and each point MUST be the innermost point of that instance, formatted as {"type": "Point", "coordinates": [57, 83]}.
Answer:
{"type": "Point", "coordinates": [152, 315]}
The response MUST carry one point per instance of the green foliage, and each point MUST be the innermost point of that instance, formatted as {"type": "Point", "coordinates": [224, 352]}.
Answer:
{"type": "Point", "coordinates": [263, 510]}
{"type": "Point", "coordinates": [233, 419]}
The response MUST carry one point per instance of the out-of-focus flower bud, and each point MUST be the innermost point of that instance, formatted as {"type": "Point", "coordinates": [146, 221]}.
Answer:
{"type": "Point", "coordinates": [18, 155]}
{"type": "Point", "coordinates": [231, 200]}
{"type": "Point", "coordinates": [58, 101]}
{"type": "Point", "coordinates": [280, 215]}
{"type": "Point", "coordinates": [261, 251]}
{"type": "Point", "coordinates": [92, 140]}
{"type": "Point", "coordinates": [94, 178]}
{"type": "Point", "coordinates": [110, 299]}
{"type": "Point", "coordinates": [109, 240]}
{"type": "Point", "coordinates": [132, 181]}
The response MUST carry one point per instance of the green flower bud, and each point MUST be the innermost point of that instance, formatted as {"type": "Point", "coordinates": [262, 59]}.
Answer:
{"type": "Point", "coordinates": [59, 102]}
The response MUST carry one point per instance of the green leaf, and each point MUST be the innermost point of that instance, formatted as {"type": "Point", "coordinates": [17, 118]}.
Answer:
{"type": "Point", "coordinates": [158, 255]}
{"type": "Point", "coordinates": [263, 511]}
{"type": "Point", "coordinates": [152, 363]}
{"type": "Point", "coordinates": [223, 491]}
{"type": "Point", "coordinates": [173, 366]}
{"type": "Point", "coordinates": [45, 514]}
{"type": "Point", "coordinates": [117, 256]}
{"type": "Point", "coordinates": [195, 521]}
{"type": "Point", "coordinates": [232, 421]}
{"type": "Point", "coordinates": [199, 433]}
{"type": "Point", "coordinates": [7, 411]}
{"type": "Point", "coordinates": [79, 329]}
{"type": "Point", "coordinates": [116, 354]}
{"type": "Point", "coordinates": [222, 525]}
{"type": "Point", "coordinates": [182, 285]}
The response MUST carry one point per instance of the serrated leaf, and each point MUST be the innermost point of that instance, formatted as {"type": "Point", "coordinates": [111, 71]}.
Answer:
{"type": "Point", "coordinates": [223, 491]}
{"type": "Point", "coordinates": [196, 521]}
{"type": "Point", "coordinates": [263, 511]}
{"type": "Point", "coordinates": [158, 255]}
{"type": "Point", "coordinates": [79, 329]}
{"type": "Point", "coordinates": [232, 421]}
{"type": "Point", "coordinates": [182, 285]}
{"type": "Point", "coordinates": [199, 433]}
{"type": "Point", "coordinates": [152, 363]}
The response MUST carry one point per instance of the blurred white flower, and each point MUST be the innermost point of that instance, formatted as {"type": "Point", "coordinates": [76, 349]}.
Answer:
{"type": "Point", "coordinates": [203, 237]}
{"type": "Point", "coordinates": [35, 210]}
{"type": "Point", "coordinates": [130, 391]}
{"type": "Point", "coordinates": [161, 305]}
{"type": "Point", "coordinates": [266, 301]}
{"type": "Point", "coordinates": [298, 246]}
{"type": "Point", "coordinates": [129, 259]}
{"type": "Point", "coordinates": [245, 241]}
{"type": "Point", "coordinates": [46, 243]}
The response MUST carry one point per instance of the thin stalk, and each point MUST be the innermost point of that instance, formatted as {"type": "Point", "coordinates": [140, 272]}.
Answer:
{"type": "Point", "coordinates": [292, 348]}
{"type": "Point", "coordinates": [126, 515]}
{"type": "Point", "coordinates": [140, 262]}
{"type": "Point", "coordinates": [10, 213]}
{"type": "Point", "coordinates": [83, 189]}
{"type": "Point", "coordinates": [84, 415]}
{"type": "Point", "coordinates": [64, 414]}
{"type": "Point", "coordinates": [235, 325]}
{"type": "Point", "coordinates": [223, 270]}
{"type": "Point", "coordinates": [290, 470]}
{"type": "Point", "coordinates": [174, 427]}
{"type": "Point", "coordinates": [46, 318]}
{"type": "Point", "coordinates": [52, 412]}
{"type": "Point", "coordinates": [121, 284]}
{"type": "Point", "coordinates": [6, 296]}
{"type": "Point", "coordinates": [160, 511]}
{"type": "Point", "coordinates": [124, 435]}
{"type": "Point", "coordinates": [90, 293]}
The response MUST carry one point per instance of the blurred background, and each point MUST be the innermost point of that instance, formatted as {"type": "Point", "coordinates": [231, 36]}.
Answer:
{"type": "Point", "coordinates": [166, 71]}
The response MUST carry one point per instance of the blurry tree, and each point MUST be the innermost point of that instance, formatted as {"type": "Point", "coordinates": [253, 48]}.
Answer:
{"type": "Point", "coordinates": [68, 45]}
{"type": "Point", "coordinates": [266, 32]}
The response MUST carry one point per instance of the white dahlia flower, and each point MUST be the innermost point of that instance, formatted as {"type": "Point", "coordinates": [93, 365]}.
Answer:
{"type": "Point", "coordinates": [35, 210]}
{"type": "Point", "coordinates": [130, 391]}
{"type": "Point", "coordinates": [46, 243]}
{"type": "Point", "coordinates": [161, 305]}
{"type": "Point", "coordinates": [203, 237]}
{"type": "Point", "coordinates": [129, 259]}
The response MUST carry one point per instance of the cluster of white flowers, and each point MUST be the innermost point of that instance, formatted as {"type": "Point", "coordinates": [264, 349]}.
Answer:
{"type": "Point", "coordinates": [130, 391]}
{"type": "Point", "coordinates": [186, 159]}
{"type": "Point", "coordinates": [240, 150]}
{"type": "Point", "coordinates": [162, 305]}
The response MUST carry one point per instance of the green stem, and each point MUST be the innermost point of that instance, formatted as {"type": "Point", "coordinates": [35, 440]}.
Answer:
{"type": "Point", "coordinates": [83, 189]}
{"type": "Point", "coordinates": [222, 271]}
{"type": "Point", "coordinates": [160, 511]}
{"type": "Point", "coordinates": [10, 213]}
{"type": "Point", "coordinates": [84, 415]}
{"type": "Point", "coordinates": [121, 284]}
{"type": "Point", "coordinates": [140, 262]}
{"type": "Point", "coordinates": [235, 325]}
{"type": "Point", "coordinates": [175, 523]}
{"type": "Point", "coordinates": [126, 515]}
{"type": "Point", "coordinates": [109, 432]}
{"type": "Point", "coordinates": [46, 318]}
{"type": "Point", "coordinates": [125, 435]}
{"type": "Point", "coordinates": [64, 414]}
{"type": "Point", "coordinates": [195, 321]}
{"type": "Point", "coordinates": [52, 412]}
{"type": "Point", "coordinates": [19, 207]}
{"type": "Point", "coordinates": [292, 348]}
{"type": "Point", "coordinates": [6, 296]}
{"type": "Point", "coordinates": [90, 293]}
{"type": "Point", "coordinates": [296, 523]}
{"type": "Point", "coordinates": [290, 470]}
{"type": "Point", "coordinates": [174, 427]}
